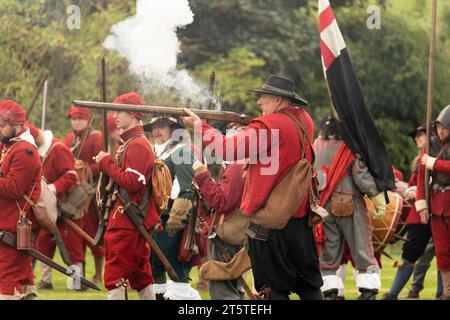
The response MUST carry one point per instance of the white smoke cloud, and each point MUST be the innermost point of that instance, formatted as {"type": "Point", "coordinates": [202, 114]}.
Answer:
{"type": "Point", "coordinates": [149, 42]}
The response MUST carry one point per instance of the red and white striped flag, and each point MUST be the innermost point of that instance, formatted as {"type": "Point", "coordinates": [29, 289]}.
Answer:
{"type": "Point", "coordinates": [357, 127]}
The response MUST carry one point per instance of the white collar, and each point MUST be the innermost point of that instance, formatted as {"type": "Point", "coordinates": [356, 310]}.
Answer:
{"type": "Point", "coordinates": [25, 136]}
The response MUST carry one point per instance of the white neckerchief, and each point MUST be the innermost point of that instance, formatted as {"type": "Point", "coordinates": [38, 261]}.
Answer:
{"type": "Point", "coordinates": [26, 136]}
{"type": "Point", "coordinates": [48, 138]}
{"type": "Point", "coordinates": [160, 148]}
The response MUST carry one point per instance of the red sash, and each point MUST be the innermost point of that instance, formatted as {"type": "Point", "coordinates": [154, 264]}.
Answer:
{"type": "Point", "coordinates": [337, 171]}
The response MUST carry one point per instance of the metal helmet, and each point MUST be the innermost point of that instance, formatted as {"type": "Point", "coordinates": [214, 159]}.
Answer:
{"type": "Point", "coordinates": [444, 117]}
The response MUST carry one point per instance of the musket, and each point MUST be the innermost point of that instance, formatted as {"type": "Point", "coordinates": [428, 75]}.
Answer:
{"type": "Point", "coordinates": [227, 116]}
{"type": "Point", "coordinates": [131, 210]}
{"type": "Point", "coordinates": [212, 84]}
{"type": "Point", "coordinates": [189, 244]}
{"type": "Point", "coordinates": [10, 240]}
{"type": "Point", "coordinates": [105, 183]}
{"type": "Point", "coordinates": [37, 92]}
{"type": "Point", "coordinates": [430, 94]}
{"type": "Point", "coordinates": [78, 230]}
{"type": "Point", "coordinates": [79, 147]}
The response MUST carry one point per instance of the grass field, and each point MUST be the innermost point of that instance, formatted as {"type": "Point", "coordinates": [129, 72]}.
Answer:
{"type": "Point", "coordinates": [60, 291]}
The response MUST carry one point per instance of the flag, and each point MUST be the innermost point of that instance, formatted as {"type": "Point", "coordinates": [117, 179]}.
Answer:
{"type": "Point", "coordinates": [356, 125]}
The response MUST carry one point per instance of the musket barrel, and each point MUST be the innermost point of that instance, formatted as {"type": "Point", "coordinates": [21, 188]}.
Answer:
{"type": "Point", "coordinates": [172, 111]}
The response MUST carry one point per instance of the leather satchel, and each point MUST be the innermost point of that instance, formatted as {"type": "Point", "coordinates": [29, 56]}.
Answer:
{"type": "Point", "coordinates": [285, 199]}
{"type": "Point", "coordinates": [232, 228]}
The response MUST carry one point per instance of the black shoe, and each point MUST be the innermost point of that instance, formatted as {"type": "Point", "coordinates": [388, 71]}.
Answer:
{"type": "Point", "coordinates": [438, 295]}
{"type": "Point", "coordinates": [367, 294]}
{"type": "Point", "coordinates": [45, 285]}
{"type": "Point", "coordinates": [330, 294]}
{"type": "Point", "coordinates": [412, 295]}
{"type": "Point", "coordinates": [387, 296]}
{"type": "Point", "coordinates": [161, 296]}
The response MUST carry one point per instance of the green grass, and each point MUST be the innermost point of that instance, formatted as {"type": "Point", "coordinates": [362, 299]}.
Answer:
{"type": "Point", "coordinates": [60, 291]}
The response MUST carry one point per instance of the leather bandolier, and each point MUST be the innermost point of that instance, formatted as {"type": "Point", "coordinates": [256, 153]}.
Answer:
{"type": "Point", "coordinates": [441, 181]}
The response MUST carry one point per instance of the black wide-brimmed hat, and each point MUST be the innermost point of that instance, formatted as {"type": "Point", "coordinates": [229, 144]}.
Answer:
{"type": "Point", "coordinates": [283, 87]}
{"type": "Point", "coordinates": [163, 122]}
{"type": "Point", "coordinates": [421, 128]}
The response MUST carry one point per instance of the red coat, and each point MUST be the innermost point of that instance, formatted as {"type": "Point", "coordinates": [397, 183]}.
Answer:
{"type": "Point", "coordinates": [59, 167]}
{"type": "Point", "coordinates": [259, 184]}
{"type": "Point", "coordinates": [413, 215]}
{"type": "Point", "coordinates": [91, 148]}
{"type": "Point", "coordinates": [137, 159]}
{"type": "Point", "coordinates": [20, 172]}
{"type": "Point", "coordinates": [439, 201]}
{"type": "Point", "coordinates": [225, 196]}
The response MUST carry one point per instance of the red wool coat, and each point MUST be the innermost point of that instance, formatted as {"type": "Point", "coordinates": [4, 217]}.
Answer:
{"type": "Point", "coordinates": [440, 208]}
{"type": "Point", "coordinates": [259, 184]}
{"type": "Point", "coordinates": [413, 215]}
{"type": "Point", "coordinates": [439, 201]}
{"type": "Point", "coordinates": [137, 160]}
{"type": "Point", "coordinates": [59, 167]}
{"type": "Point", "coordinates": [20, 172]}
{"type": "Point", "coordinates": [225, 196]}
{"type": "Point", "coordinates": [91, 148]}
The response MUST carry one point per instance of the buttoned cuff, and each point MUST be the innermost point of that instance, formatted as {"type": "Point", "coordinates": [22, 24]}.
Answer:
{"type": "Point", "coordinates": [421, 205]}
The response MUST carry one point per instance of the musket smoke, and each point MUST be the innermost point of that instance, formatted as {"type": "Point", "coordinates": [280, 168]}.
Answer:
{"type": "Point", "coordinates": [149, 42]}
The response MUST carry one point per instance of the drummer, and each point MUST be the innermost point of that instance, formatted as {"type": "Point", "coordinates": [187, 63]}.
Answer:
{"type": "Point", "coordinates": [418, 231]}
{"type": "Point", "coordinates": [343, 184]}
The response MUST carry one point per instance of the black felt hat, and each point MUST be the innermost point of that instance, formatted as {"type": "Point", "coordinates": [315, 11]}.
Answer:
{"type": "Point", "coordinates": [283, 87]}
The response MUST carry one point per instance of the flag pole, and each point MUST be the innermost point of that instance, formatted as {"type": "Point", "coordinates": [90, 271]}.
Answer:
{"type": "Point", "coordinates": [430, 91]}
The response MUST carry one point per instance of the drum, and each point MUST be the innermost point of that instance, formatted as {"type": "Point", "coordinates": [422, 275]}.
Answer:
{"type": "Point", "coordinates": [384, 230]}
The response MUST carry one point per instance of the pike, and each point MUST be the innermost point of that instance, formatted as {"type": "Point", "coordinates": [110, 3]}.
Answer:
{"type": "Point", "coordinates": [430, 94]}
{"type": "Point", "coordinates": [227, 116]}
{"type": "Point", "coordinates": [131, 210]}
{"type": "Point", "coordinates": [37, 92]}
{"type": "Point", "coordinates": [105, 184]}
{"type": "Point", "coordinates": [10, 240]}
{"type": "Point", "coordinates": [43, 83]}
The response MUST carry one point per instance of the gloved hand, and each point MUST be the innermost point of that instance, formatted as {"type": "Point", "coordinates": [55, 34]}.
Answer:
{"type": "Point", "coordinates": [380, 204]}
{"type": "Point", "coordinates": [179, 209]}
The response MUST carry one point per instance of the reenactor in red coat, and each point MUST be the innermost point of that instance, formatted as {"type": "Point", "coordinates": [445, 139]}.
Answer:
{"type": "Point", "coordinates": [279, 264]}
{"type": "Point", "coordinates": [79, 119]}
{"type": "Point", "coordinates": [58, 167]}
{"type": "Point", "coordinates": [439, 208]}
{"type": "Point", "coordinates": [419, 233]}
{"type": "Point", "coordinates": [20, 174]}
{"type": "Point", "coordinates": [127, 252]}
